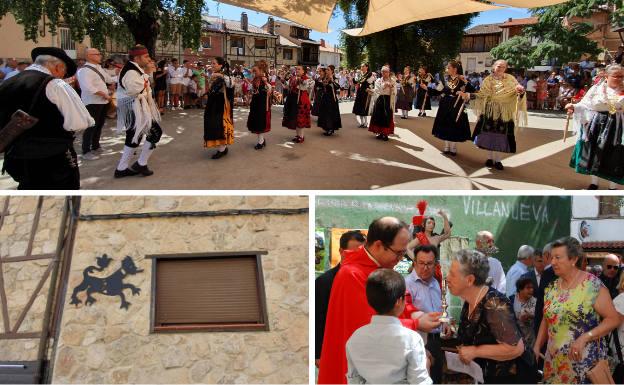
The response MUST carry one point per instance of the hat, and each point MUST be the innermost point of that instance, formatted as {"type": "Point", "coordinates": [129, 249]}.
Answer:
{"type": "Point", "coordinates": [137, 50]}
{"type": "Point", "coordinates": [417, 220]}
{"type": "Point", "coordinates": [57, 53]}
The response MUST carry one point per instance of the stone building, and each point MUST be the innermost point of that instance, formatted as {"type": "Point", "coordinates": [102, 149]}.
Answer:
{"type": "Point", "coordinates": [216, 289]}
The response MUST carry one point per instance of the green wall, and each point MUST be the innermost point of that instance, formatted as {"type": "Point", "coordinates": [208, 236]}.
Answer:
{"type": "Point", "coordinates": [514, 220]}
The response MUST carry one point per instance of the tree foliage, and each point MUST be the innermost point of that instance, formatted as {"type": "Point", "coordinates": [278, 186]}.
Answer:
{"type": "Point", "coordinates": [558, 38]}
{"type": "Point", "coordinates": [429, 43]}
{"type": "Point", "coordinates": [132, 21]}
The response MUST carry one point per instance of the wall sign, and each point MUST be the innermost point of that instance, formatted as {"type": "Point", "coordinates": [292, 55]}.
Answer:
{"type": "Point", "coordinates": [112, 285]}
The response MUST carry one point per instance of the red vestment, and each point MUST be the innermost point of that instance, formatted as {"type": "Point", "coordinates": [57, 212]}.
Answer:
{"type": "Point", "coordinates": [348, 310]}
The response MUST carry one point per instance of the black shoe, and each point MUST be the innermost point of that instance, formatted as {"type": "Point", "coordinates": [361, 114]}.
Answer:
{"type": "Point", "coordinates": [424, 114]}
{"type": "Point", "coordinates": [489, 163]}
{"type": "Point", "coordinates": [143, 170]}
{"type": "Point", "coordinates": [446, 152]}
{"type": "Point", "coordinates": [592, 187]}
{"type": "Point", "coordinates": [379, 136]}
{"type": "Point", "coordinates": [260, 146]}
{"type": "Point", "coordinates": [329, 133]}
{"type": "Point", "coordinates": [220, 154]}
{"type": "Point", "coordinates": [385, 138]}
{"type": "Point", "coordinates": [499, 166]}
{"type": "Point", "coordinates": [126, 172]}
{"type": "Point", "coordinates": [453, 153]}
{"type": "Point", "coordinates": [420, 114]}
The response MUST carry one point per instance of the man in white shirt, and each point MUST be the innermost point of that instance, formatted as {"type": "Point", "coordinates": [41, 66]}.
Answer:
{"type": "Point", "coordinates": [186, 81]}
{"type": "Point", "coordinates": [485, 244]}
{"type": "Point", "coordinates": [385, 352]}
{"type": "Point", "coordinates": [176, 81]}
{"type": "Point", "coordinates": [43, 157]}
{"type": "Point", "coordinates": [523, 263]}
{"type": "Point", "coordinates": [94, 82]}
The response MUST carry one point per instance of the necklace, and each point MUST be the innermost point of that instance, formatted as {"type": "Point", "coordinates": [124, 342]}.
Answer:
{"type": "Point", "coordinates": [453, 82]}
{"type": "Point", "coordinates": [476, 301]}
{"type": "Point", "coordinates": [571, 284]}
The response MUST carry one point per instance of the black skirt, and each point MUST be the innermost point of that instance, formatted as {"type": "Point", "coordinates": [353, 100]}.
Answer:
{"type": "Point", "coordinates": [495, 135]}
{"type": "Point", "coordinates": [362, 101]}
{"type": "Point", "coordinates": [420, 97]}
{"type": "Point", "coordinates": [405, 98]}
{"type": "Point", "coordinates": [318, 94]}
{"type": "Point", "coordinates": [259, 119]}
{"type": "Point", "coordinates": [446, 126]}
{"type": "Point", "coordinates": [329, 112]}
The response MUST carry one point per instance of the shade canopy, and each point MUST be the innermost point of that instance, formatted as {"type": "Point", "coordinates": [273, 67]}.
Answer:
{"type": "Point", "coordinates": [382, 14]}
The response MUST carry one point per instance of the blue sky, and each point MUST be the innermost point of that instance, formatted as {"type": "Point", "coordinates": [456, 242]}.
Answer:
{"type": "Point", "coordinates": [336, 24]}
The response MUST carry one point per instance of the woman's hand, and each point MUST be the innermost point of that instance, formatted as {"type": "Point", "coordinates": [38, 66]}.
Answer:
{"type": "Point", "coordinates": [569, 108]}
{"type": "Point", "coordinates": [519, 89]}
{"type": "Point", "coordinates": [537, 351]}
{"type": "Point", "coordinates": [577, 347]}
{"type": "Point", "coordinates": [467, 354]}
{"type": "Point", "coordinates": [423, 86]}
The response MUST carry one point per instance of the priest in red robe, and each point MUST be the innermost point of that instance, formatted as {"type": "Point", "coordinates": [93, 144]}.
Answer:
{"type": "Point", "coordinates": [348, 309]}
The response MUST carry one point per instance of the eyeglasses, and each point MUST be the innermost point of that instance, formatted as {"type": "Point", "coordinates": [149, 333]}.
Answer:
{"type": "Point", "coordinates": [428, 265]}
{"type": "Point", "coordinates": [399, 253]}
{"type": "Point", "coordinates": [612, 267]}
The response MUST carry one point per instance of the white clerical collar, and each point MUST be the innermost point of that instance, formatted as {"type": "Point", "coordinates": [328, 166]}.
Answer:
{"type": "Point", "coordinates": [40, 68]}
{"type": "Point", "coordinates": [372, 258]}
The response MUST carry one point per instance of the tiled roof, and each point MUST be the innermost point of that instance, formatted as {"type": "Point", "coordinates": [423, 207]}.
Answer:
{"type": "Point", "coordinates": [330, 48]}
{"type": "Point", "coordinates": [483, 29]}
{"type": "Point", "coordinates": [603, 245]}
{"type": "Point", "coordinates": [286, 42]}
{"type": "Point", "coordinates": [524, 21]}
{"type": "Point", "coordinates": [216, 23]}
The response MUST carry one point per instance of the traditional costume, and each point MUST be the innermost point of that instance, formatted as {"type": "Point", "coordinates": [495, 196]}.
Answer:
{"type": "Point", "coordinates": [319, 87]}
{"type": "Point", "coordinates": [405, 96]}
{"type": "Point", "coordinates": [259, 120]}
{"type": "Point", "coordinates": [43, 157]}
{"type": "Point", "coordinates": [499, 107]}
{"type": "Point", "coordinates": [599, 151]}
{"type": "Point", "coordinates": [219, 115]}
{"type": "Point", "coordinates": [348, 310]}
{"type": "Point", "coordinates": [423, 99]}
{"type": "Point", "coordinates": [137, 116]}
{"type": "Point", "coordinates": [451, 122]}
{"type": "Point", "coordinates": [382, 106]}
{"type": "Point", "coordinates": [329, 119]}
{"type": "Point", "coordinates": [297, 106]}
{"type": "Point", "coordinates": [361, 106]}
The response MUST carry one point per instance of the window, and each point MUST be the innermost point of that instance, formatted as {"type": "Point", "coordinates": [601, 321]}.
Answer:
{"type": "Point", "coordinates": [65, 40]}
{"type": "Point", "coordinates": [237, 42]}
{"type": "Point", "coordinates": [211, 292]}
{"type": "Point", "coordinates": [609, 206]}
{"type": "Point", "coordinates": [206, 42]}
{"type": "Point", "coordinates": [288, 54]}
{"type": "Point", "coordinates": [261, 43]}
{"type": "Point", "coordinates": [491, 41]}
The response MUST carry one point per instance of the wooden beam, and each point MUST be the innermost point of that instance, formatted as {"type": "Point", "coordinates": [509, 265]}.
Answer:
{"type": "Point", "coordinates": [35, 225]}
{"type": "Point", "coordinates": [5, 211]}
{"type": "Point", "coordinates": [27, 258]}
{"type": "Point", "coordinates": [19, 336]}
{"type": "Point", "coordinates": [33, 297]}
{"type": "Point", "coordinates": [3, 302]}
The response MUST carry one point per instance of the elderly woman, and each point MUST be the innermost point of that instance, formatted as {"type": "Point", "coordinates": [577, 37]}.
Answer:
{"type": "Point", "coordinates": [599, 151]}
{"type": "Point", "coordinates": [488, 333]}
{"type": "Point", "coordinates": [578, 312]}
{"type": "Point", "coordinates": [499, 103]}
{"type": "Point", "coordinates": [618, 345]}
{"type": "Point", "coordinates": [382, 105]}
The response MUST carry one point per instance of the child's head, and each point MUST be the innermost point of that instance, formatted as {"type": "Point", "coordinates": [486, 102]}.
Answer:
{"type": "Point", "coordinates": [385, 292]}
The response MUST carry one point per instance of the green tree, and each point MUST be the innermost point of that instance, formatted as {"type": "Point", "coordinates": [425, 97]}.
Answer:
{"type": "Point", "coordinates": [558, 38]}
{"type": "Point", "coordinates": [134, 21]}
{"type": "Point", "coordinates": [429, 43]}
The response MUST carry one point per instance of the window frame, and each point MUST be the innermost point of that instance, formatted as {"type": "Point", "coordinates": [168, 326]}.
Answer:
{"type": "Point", "coordinates": [290, 50]}
{"type": "Point", "coordinates": [266, 43]}
{"type": "Point", "coordinates": [234, 327]}
{"type": "Point", "coordinates": [609, 200]}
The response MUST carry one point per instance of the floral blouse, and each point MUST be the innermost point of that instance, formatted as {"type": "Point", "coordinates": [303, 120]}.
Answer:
{"type": "Point", "coordinates": [492, 322]}
{"type": "Point", "coordinates": [568, 314]}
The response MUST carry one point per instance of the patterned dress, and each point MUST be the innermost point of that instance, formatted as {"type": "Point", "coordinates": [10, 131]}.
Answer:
{"type": "Point", "coordinates": [568, 314]}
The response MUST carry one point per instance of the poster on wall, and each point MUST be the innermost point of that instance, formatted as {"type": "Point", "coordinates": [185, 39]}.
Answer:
{"type": "Point", "coordinates": [336, 233]}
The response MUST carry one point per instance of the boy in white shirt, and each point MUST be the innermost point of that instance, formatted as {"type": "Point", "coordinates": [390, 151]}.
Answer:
{"type": "Point", "coordinates": [385, 352]}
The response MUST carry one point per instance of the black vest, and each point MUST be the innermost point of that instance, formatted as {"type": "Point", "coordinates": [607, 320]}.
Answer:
{"type": "Point", "coordinates": [47, 137]}
{"type": "Point", "coordinates": [129, 66]}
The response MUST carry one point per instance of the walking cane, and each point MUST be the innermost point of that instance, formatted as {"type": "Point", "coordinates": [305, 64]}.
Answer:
{"type": "Point", "coordinates": [565, 131]}
{"type": "Point", "coordinates": [461, 109]}
{"type": "Point", "coordinates": [422, 108]}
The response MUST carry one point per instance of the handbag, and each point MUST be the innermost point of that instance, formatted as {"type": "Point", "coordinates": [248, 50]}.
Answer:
{"type": "Point", "coordinates": [618, 372]}
{"type": "Point", "coordinates": [600, 373]}
{"type": "Point", "coordinates": [20, 121]}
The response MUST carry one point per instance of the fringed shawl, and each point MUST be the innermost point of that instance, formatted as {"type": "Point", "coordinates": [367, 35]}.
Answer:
{"type": "Point", "coordinates": [498, 99]}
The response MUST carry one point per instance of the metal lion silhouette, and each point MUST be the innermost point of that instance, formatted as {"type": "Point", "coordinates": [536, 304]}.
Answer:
{"type": "Point", "coordinates": [112, 285]}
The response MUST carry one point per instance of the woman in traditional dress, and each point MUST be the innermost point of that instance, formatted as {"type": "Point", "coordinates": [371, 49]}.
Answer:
{"type": "Point", "coordinates": [329, 119]}
{"type": "Point", "coordinates": [218, 115]}
{"type": "Point", "coordinates": [259, 120]}
{"type": "Point", "coordinates": [365, 85]}
{"type": "Point", "coordinates": [297, 106]}
{"type": "Point", "coordinates": [382, 105]}
{"type": "Point", "coordinates": [405, 97]}
{"type": "Point", "coordinates": [497, 104]}
{"type": "Point", "coordinates": [599, 151]}
{"type": "Point", "coordinates": [318, 90]}
{"type": "Point", "coordinates": [451, 122]}
{"type": "Point", "coordinates": [423, 101]}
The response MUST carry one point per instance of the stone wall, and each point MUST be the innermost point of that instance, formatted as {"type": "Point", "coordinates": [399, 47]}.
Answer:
{"type": "Point", "coordinates": [102, 343]}
{"type": "Point", "coordinates": [22, 278]}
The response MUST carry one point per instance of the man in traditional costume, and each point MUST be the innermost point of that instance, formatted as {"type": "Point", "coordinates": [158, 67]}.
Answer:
{"type": "Point", "coordinates": [423, 100]}
{"type": "Point", "coordinates": [259, 120]}
{"type": "Point", "coordinates": [382, 105]}
{"type": "Point", "coordinates": [43, 157]}
{"type": "Point", "coordinates": [348, 309]}
{"type": "Point", "coordinates": [500, 104]}
{"type": "Point", "coordinates": [451, 122]}
{"type": "Point", "coordinates": [218, 115]}
{"type": "Point", "coordinates": [137, 114]}
{"type": "Point", "coordinates": [361, 106]}
{"type": "Point", "coordinates": [599, 116]}
{"type": "Point", "coordinates": [405, 96]}
{"type": "Point", "coordinates": [297, 106]}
